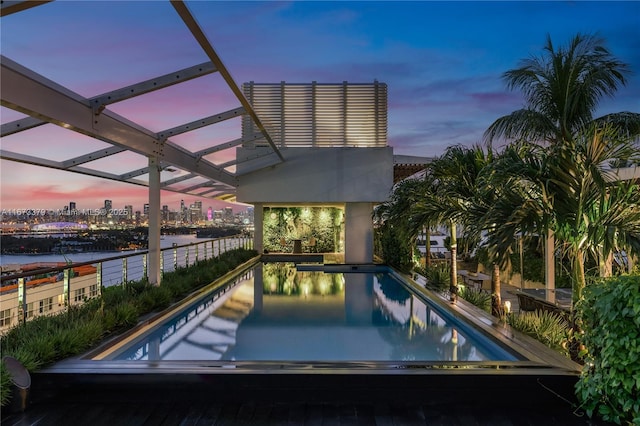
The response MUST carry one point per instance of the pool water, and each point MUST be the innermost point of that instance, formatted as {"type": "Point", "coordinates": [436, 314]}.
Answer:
{"type": "Point", "coordinates": [275, 312]}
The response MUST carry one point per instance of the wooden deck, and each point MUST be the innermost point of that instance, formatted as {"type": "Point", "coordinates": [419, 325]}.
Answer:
{"type": "Point", "coordinates": [166, 412]}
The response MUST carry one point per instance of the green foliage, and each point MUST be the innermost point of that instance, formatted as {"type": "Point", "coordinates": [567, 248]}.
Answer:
{"type": "Point", "coordinates": [477, 298]}
{"type": "Point", "coordinates": [5, 385]}
{"type": "Point", "coordinates": [610, 319]}
{"type": "Point", "coordinates": [547, 327]}
{"type": "Point", "coordinates": [533, 266]}
{"type": "Point", "coordinates": [438, 276]}
{"type": "Point", "coordinates": [395, 251]}
{"type": "Point", "coordinates": [324, 224]}
{"type": "Point", "coordinates": [47, 339]}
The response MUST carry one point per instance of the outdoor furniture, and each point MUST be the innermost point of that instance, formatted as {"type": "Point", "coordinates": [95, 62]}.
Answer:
{"type": "Point", "coordinates": [473, 279]}
{"type": "Point", "coordinates": [528, 302]}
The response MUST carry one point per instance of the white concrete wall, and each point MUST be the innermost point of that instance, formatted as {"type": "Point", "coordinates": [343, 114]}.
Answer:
{"type": "Point", "coordinates": [318, 175]}
{"type": "Point", "coordinates": [358, 238]}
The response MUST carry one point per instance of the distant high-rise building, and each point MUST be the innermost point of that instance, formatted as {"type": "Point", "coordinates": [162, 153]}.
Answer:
{"type": "Point", "coordinates": [209, 214]}
{"type": "Point", "coordinates": [165, 212]}
{"type": "Point", "coordinates": [108, 205]}
{"type": "Point", "coordinates": [129, 209]}
{"type": "Point", "coordinates": [195, 212]}
{"type": "Point", "coordinates": [72, 206]}
{"type": "Point", "coordinates": [146, 209]}
{"type": "Point", "coordinates": [228, 215]}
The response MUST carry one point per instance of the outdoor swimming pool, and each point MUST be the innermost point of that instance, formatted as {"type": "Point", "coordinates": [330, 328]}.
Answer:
{"type": "Point", "coordinates": [275, 312]}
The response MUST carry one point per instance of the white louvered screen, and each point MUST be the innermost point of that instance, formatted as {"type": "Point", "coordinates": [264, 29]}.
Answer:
{"type": "Point", "coordinates": [319, 115]}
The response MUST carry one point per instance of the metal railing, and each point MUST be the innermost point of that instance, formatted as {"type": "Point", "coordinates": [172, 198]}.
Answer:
{"type": "Point", "coordinates": [49, 290]}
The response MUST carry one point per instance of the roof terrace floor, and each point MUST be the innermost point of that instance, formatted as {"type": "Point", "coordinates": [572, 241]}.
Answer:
{"type": "Point", "coordinates": [165, 411]}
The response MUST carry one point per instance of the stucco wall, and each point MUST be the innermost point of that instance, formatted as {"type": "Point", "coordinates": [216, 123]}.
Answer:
{"type": "Point", "coordinates": [318, 175]}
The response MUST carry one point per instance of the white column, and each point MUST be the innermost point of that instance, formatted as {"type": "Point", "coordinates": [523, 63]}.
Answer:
{"type": "Point", "coordinates": [258, 227]}
{"type": "Point", "coordinates": [154, 221]}
{"type": "Point", "coordinates": [358, 241]}
{"type": "Point", "coordinates": [550, 266]}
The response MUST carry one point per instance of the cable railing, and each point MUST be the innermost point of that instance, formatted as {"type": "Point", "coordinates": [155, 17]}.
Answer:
{"type": "Point", "coordinates": [52, 288]}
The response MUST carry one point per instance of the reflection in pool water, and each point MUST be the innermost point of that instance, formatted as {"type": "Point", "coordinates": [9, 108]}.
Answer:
{"type": "Point", "coordinates": [276, 313]}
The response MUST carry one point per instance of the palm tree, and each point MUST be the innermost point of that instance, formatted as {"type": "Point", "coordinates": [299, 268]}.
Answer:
{"type": "Point", "coordinates": [562, 89]}
{"type": "Point", "coordinates": [568, 188]}
{"type": "Point", "coordinates": [397, 210]}
{"type": "Point", "coordinates": [456, 198]}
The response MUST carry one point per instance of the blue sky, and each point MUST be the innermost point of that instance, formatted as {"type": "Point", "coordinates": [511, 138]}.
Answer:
{"type": "Point", "coordinates": [442, 62]}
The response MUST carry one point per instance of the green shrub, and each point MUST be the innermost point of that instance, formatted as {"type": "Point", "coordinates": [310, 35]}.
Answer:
{"type": "Point", "coordinates": [547, 327]}
{"type": "Point", "coordinates": [47, 339]}
{"type": "Point", "coordinates": [476, 297]}
{"type": "Point", "coordinates": [5, 385]}
{"type": "Point", "coordinates": [395, 251]}
{"type": "Point", "coordinates": [609, 315]}
{"type": "Point", "coordinates": [438, 276]}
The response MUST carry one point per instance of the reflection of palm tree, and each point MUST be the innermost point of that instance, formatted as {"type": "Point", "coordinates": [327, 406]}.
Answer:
{"type": "Point", "coordinates": [392, 290]}
{"type": "Point", "coordinates": [410, 338]}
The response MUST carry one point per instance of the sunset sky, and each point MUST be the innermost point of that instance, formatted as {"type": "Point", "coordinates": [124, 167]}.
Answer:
{"type": "Point", "coordinates": [442, 62]}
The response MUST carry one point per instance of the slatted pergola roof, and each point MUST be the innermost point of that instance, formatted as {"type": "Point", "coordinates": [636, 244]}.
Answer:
{"type": "Point", "coordinates": [108, 141]}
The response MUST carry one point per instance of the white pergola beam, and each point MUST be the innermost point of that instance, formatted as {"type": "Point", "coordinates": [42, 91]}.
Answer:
{"type": "Point", "coordinates": [218, 148]}
{"type": "Point", "coordinates": [153, 84]}
{"type": "Point", "coordinates": [30, 93]}
{"type": "Point", "coordinates": [20, 125]}
{"type": "Point", "coordinates": [8, 7]}
{"type": "Point", "coordinates": [203, 122]}
{"type": "Point", "coordinates": [201, 38]}
{"type": "Point", "coordinates": [121, 94]}
{"type": "Point", "coordinates": [28, 159]}
{"type": "Point", "coordinates": [92, 156]}
{"type": "Point", "coordinates": [206, 184]}
{"type": "Point", "coordinates": [178, 179]}
{"type": "Point", "coordinates": [43, 162]}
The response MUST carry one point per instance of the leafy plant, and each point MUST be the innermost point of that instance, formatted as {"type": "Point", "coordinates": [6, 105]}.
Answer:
{"type": "Point", "coordinates": [547, 327]}
{"type": "Point", "coordinates": [610, 318]}
{"type": "Point", "coordinates": [477, 298]}
{"type": "Point", "coordinates": [438, 276]}
{"type": "Point", "coordinates": [394, 251]}
{"type": "Point", "coordinates": [47, 339]}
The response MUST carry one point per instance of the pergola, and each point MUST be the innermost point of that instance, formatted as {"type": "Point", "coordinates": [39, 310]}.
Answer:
{"type": "Point", "coordinates": [190, 155]}
{"type": "Point", "coordinates": [170, 165]}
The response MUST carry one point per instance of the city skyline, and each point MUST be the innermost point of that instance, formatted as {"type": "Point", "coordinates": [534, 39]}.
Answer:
{"type": "Point", "coordinates": [442, 62]}
{"type": "Point", "coordinates": [80, 209]}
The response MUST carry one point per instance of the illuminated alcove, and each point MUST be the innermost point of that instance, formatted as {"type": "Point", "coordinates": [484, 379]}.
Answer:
{"type": "Point", "coordinates": [317, 229]}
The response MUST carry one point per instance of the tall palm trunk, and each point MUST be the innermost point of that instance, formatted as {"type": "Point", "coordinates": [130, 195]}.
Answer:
{"type": "Point", "coordinates": [453, 289]}
{"type": "Point", "coordinates": [496, 300]}
{"type": "Point", "coordinates": [427, 247]}
{"type": "Point", "coordinates": [578, 275]}
{"type": "Point", "coordinates": [605, 263]}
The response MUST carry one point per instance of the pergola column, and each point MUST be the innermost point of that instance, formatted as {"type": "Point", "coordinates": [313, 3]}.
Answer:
{"type": "Point", "coordinates": [358, 241]}
{"type": "Point", "coordinates": [258, 227]}
{"type": "Point", "coordinates": [550, 266]}
{"type": "Point", "coordinates": [153, 271]}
